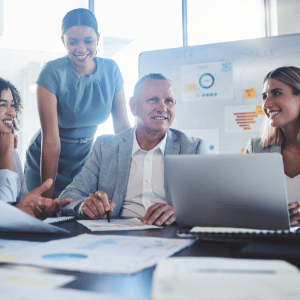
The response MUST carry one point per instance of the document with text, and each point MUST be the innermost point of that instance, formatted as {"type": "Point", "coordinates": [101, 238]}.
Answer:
{"type": "Point", "coordinates": [13, 219]}
{"type": "Point", "coordinates": [204, 278]}
{"type": "Point", "coordinates": [11, 279]}
{"type": "Point", "coordinates": [30, 293]}
{"type": "Point", "coordinates": [101, 253]}
{"type": "Point", "coordinates": [116, 224]}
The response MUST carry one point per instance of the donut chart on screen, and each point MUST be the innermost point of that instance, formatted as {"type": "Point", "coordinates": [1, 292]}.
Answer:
{"type": "Point", "coordinates": [206, 80]}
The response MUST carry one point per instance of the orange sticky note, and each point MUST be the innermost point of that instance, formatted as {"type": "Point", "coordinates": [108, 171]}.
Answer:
{"type": "Point", "coordinates": [249, 93]}
{"type": "Point", "coordinates": [242, 150]}
{"type": "Point", "coordinates": [259, 110]}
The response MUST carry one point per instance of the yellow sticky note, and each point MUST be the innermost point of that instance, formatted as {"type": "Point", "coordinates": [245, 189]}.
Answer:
{"type": "Point", "coordinates": [259, 110]}
{"type": "Point", "coordinates": [191, 88]}
{"type": "Point", "coordinates": [249, 93]}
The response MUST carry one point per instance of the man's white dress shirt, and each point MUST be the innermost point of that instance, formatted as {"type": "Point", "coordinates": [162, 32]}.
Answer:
{"type": "Point", "coordinates": [146, 179]}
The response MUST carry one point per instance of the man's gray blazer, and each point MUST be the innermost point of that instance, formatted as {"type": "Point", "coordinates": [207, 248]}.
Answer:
{"type": "Point", "coordinates": [108, 166]}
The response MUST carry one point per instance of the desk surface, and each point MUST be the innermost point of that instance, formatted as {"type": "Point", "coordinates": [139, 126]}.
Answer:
{"type": "Point", "coordinates": [139, 285]}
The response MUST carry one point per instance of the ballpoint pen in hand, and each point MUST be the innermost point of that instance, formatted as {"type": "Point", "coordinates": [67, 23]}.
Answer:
{"type": "Point", "coordinates": [107, 215]}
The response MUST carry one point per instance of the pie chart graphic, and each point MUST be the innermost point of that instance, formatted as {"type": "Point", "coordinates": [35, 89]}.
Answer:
{"type": "Point", "coordinates": [64, 256]}
{"type": "Point", "coordinates": [206, 80]}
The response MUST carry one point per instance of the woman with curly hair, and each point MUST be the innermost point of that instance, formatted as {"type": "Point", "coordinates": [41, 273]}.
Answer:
{"type": "Point", "coordinates": [13, 189]}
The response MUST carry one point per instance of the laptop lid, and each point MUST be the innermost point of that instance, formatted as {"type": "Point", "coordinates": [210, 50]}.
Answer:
{"type": "Point", "coordinates": [228, 190]}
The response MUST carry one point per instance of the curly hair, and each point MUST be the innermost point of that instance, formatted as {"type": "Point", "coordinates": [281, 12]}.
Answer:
{"type": "Point", "coordinates": [6, 85]}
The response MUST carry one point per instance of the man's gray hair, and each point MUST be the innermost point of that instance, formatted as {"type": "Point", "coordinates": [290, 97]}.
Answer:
{"type": "Point", "coordinates": [157, 76]}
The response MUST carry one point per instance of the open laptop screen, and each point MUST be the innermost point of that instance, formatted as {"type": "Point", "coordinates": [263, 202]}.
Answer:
{"type": "Point", "coordinates": [228, 190]}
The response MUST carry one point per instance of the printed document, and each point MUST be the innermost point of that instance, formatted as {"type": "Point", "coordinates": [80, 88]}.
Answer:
{"type": "Point", "coordinates": [101, 253]}
{"type": "Point", "coordinates": [11, 279]}
{"type": "Point", "coordinates": [27, 293]}
{"type": "Point", "coordinates": [13, 219]}
{"type": "Point", "coordinates": [225, 278]}
{"type": "Point", "coordinates": [12, 245]}
{"type": "Point", "coordinates": [116, 224]}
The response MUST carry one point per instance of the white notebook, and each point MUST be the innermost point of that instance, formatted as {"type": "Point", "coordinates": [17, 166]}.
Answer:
{"type": "Point", "coordinates": [58, 219]}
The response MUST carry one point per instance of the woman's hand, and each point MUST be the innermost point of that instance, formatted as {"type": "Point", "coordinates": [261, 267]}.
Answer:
{"type": "Point", "coordinates": [7, 146]}
{"type": "Point", "coordinates": [40, 207]}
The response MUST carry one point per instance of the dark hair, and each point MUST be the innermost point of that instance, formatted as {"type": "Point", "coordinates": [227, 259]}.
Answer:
{"type": "Point", "coordinates": [79, 17]}
{"type": "Point", "coordinates": [157, 76]}
{"type": "Point", "coordinates": [6, 85]}
{"type": "Point", "coordinates": [291, 77]}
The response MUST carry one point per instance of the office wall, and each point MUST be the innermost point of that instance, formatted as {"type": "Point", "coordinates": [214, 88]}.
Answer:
{"type": "Point", "coordinates": [288, 16]}
{"type": "Point", "coordinates": [188, 118]}
{"type": "Point", "coordinates": [22, 68]}
{"type": "Point", "coordinates": [218, 86]}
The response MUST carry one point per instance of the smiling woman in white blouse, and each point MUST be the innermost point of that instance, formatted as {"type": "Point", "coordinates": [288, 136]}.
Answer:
{"type": "Point", "coordinates": [280, 130]}
{"type": "Point", "coordinates": [12, 183]}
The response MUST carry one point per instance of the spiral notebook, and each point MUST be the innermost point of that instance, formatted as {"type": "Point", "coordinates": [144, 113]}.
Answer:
{"type": "Point", "coordinates": [228, 190]}
{"type": "Point", "coordinates": [214, 233]}
{"type": "Point", "coordinates": [58, 219]}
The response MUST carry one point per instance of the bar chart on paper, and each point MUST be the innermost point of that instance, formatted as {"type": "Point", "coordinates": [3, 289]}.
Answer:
{"type": "Point", "coordinates": [116, 225]}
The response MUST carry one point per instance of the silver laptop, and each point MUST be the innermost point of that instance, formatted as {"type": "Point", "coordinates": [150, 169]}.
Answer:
{"type": "Point", "coordinates": [228, 190]}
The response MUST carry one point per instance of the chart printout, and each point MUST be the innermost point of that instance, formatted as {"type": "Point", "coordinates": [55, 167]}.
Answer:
{"type": "Point", "coordinates": [101, 253]}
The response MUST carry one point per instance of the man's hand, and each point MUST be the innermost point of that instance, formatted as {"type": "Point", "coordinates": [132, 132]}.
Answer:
{"type": "Point", "coordinates": [159, 214]}
{"type": "Point", "coordinates": [96, 205]}
{"type": "Point", "coordinates": [41, 207]}
{"type": "Point", "coordinates": [294, 212]}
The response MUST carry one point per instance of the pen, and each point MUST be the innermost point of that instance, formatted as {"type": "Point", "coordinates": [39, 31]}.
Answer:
{"type": "Point", "coordinates": [107, 215]}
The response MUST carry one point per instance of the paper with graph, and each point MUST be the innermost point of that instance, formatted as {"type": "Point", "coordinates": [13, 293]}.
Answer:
{"type": "Point", "coordinates": [243, 118]}
{"type": "Point", "coordinates": [116, 224]}
{"type": "Point", "coordinates": [101, 253]}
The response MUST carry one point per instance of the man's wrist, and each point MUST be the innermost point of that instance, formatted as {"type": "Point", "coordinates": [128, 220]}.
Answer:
{"type": "Point", "coordinates": [78, 209]}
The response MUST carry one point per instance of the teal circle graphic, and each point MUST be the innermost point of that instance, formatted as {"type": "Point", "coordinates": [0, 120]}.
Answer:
{"type": "Point", "coordinates": [206, 80]}
{"type": "Point", "coordinates": [64, 256]}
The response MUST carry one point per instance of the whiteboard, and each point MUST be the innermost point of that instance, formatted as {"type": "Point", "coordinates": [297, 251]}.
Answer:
{"type": "Point", "coordinates": [218, 87]}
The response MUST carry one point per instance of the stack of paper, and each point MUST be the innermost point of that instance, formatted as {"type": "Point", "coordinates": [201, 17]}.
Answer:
{"type": "Point", "coordinates": [225, 278]}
